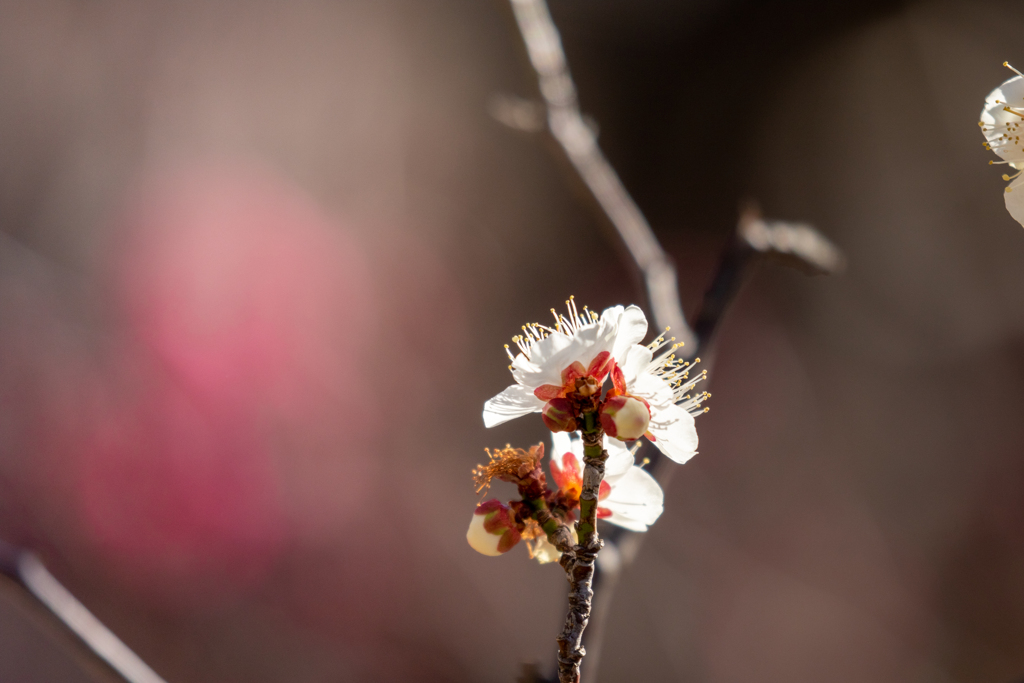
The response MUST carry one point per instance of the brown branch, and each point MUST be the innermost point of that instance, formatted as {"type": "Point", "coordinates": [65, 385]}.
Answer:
{"type": "Point", "coordinates": [579, 566]}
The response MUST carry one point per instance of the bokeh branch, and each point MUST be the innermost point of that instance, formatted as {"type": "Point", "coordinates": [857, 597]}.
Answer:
{"type": "Point", "coordinates": [577, 138]}
{"type": "Point", "coordinates": [25, 569]}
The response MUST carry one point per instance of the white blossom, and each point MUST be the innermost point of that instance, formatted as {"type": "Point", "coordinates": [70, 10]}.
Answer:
{"type": "Point", "coordinates": [551, 358]}
{"type": "Point", "coordinates": [1001, 122]}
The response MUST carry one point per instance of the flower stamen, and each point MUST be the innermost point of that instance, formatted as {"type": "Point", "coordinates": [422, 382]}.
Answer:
{"type": "Point", "coordinates": [569, 323]}
{"type": "Point", "coordinates": [506, 464]}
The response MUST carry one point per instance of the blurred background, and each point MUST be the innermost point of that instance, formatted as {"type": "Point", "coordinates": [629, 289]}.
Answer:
{"type": "Point", "coordinates": [258, 261]}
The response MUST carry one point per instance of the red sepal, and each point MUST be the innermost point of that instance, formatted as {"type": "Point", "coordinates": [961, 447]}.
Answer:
{"type": "Point", "coordinates": [608, 424]}
{"type": "Point", "coordinates": [546, 392]}
{"type": "Point", "coordinates": [489, 506]}
{"type": "Point", "coordinates": [572, 372]}
{"type": "Point", "coordinates": [558, 415]}
{"type": "Point", "coordinates": [599, 367]}
{"type": "Point", "coordinates": [512, 536]}
{"type": "Point", "coordinates": [618, 381]}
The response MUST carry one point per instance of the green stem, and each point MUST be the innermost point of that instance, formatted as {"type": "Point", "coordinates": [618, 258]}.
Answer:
{"type": "Point", "coordinates": [543, 515]}
{"type": "Point", "coordinates": [557, 532]}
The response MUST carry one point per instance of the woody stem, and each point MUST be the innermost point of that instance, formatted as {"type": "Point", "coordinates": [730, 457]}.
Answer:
{"type": "Point", "coordinates": [557, 532]}
{"type": "Point", "coordinates": [580, 565]}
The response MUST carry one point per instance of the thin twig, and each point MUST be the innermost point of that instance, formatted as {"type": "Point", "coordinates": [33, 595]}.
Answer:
{"type": "Point", "coordinates": [577, 139]}
{"type": "Point", "coordinates": [27, 571]}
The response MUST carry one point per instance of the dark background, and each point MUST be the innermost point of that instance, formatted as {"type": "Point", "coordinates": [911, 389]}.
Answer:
{"type": "Point", "coordinates": [259, 261]}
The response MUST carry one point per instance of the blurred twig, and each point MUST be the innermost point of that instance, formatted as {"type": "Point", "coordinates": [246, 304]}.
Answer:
{"type": "Point", "coordinates": [796, 245]}
{"type": "Point", "coordinates": [579, 142]}
{"type": "Point", "coordinates": [25, 569]}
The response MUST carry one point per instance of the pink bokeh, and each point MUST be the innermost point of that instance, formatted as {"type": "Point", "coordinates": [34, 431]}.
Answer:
{"type": "Point", "coordinates": [221, 429]}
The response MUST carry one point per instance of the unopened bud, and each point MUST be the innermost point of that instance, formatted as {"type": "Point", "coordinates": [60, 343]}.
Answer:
{"type": "Point", "coordinates": [492, 531]}
{"type": "Point", "coordinates": [559, 416]}
{"type": "Point", "coordinates": [625, 418]}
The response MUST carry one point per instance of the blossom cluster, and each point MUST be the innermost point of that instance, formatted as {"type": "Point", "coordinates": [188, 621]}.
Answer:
{"type": "Point", "coordinates": [560, 371]}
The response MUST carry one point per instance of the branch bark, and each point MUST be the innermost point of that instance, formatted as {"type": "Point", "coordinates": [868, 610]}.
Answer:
{"type": "Point", "coordinates": [579, 566]}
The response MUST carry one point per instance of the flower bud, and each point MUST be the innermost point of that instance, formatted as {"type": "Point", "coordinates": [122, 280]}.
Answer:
{"type": "Point", "coordinates": [624, 417]}
{"type": "Point", "coordinates": [558, 415]}
{"type": "Point", "coordinates": [492, 531]}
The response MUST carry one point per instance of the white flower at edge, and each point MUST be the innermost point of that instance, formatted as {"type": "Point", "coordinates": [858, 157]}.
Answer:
{"type": "Point", "coordinates": [546, 354]}
{"type": "Point", "coordinates": [1001, 122]}
{"type": "Point", "coordinates": [632, 499]}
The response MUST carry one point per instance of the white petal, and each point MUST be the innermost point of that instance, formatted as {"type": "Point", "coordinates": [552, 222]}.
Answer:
{"type": "Point", "coordinates": [632, 330]}
{"type": "Point", "coordinates": [620, 459]}
{"type": "Point", "coordinates": [995, 117]}
{"type": "Point", "coordinates": [675, 432]}
{"type": "Point", "coordinates": [654, 390]}
{"type": "Point", "coordinates": [526, 373]}
{"type": "Point", "coordinates": [577, 446]}
{"type": "Point", "coordinates": [636, 362]}
{"type": "Point", "coordinates": [561, 443]}
{"type": "Point", "coordinates": [514, 402]}
{"type": "Point", "coordinates": [636, 501]}
{"type": "Point", "coordinates": [543, 366]}
{"type": "Point", "coordinates": [549, 346]}
{"type": "Point", "coordinates": [612, 315]}
{"type": "Point", "coordinates": [1014, 199]}
{"type": "Point", "coordinates": [584, 347]}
